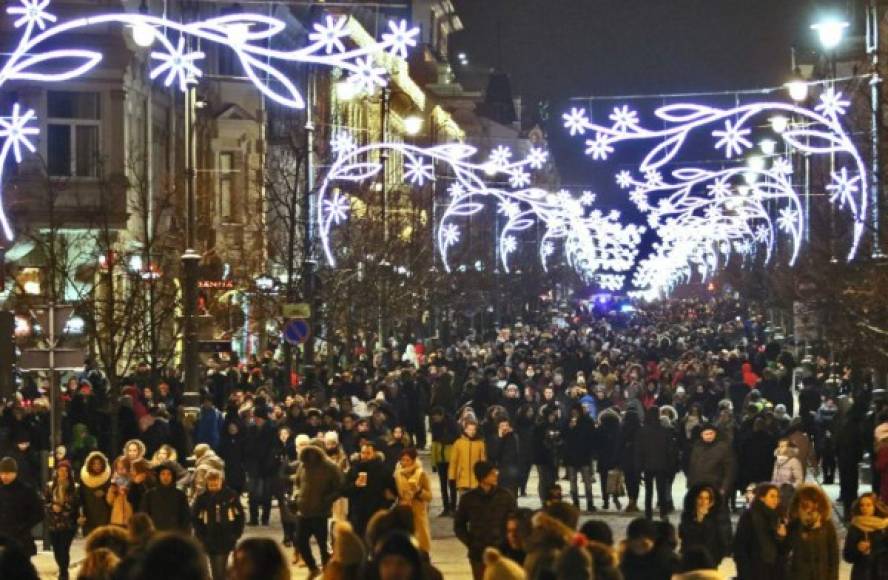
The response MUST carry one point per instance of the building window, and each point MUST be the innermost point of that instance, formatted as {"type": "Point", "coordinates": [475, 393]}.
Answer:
{"type": "Point", "coordinates": [228, 202]}
{"type": "Point", "coordinates": [72, 136]}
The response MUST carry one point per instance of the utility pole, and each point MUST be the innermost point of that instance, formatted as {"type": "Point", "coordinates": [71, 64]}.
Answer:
{"type": "Point", "coordinates": [383, 264]}
{"type": "Point", "coordinates": [308, 262]}
{"type": "Point", "coordinates": [190, 258]}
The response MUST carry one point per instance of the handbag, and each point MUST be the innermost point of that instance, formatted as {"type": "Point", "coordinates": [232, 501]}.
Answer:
{"type": "Point", "coordinates": [616, 482]}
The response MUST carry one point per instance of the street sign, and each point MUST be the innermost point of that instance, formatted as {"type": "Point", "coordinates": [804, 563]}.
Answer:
{"type": "Point", "coordinates": [296, 331]}
{"type": "Point", "coordinates": [297, 310]}
{"type": "Point", "coordinates": [66, 359]}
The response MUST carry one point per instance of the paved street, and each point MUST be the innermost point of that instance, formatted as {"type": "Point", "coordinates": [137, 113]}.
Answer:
{"type": "Point", "coordinates": [448, 554]}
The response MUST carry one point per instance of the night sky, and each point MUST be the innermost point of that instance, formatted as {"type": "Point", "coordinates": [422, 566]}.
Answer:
{"type": "Point", "coordinates": [556, 49]}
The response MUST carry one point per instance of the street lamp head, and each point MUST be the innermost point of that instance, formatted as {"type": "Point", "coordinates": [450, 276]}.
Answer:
{"type": "Point", "coordinates": [756, 163]}
{"type": "Point", "coordinates": [779, 123]}
{"type": "Point", "coordinates": [346, 90]}
{"type": "Point", "coordinates": [830, 31]}
{"type": "Point", "coordinates": [413, 125]}
{"type": "Point", "coordinates": [143, 34]}
{"type": "Point", "coordinates": [768, 146]}
{"type": "Point", "coordinates": [797, 87]}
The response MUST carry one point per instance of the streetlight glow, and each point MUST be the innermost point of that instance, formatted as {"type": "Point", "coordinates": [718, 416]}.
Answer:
{"type": "Point", "coordinates": [830, 32]}
{"type": "Point", "coordinates": [413, 124]}
{"type": "Point", "coordinates": [798, 89]}
{"type": "Point", "coordinates": [768, 146]}
{"type": "Point", "coordinates": [779, 123]}
{"type": "Point", "coordinates": [143, 34]}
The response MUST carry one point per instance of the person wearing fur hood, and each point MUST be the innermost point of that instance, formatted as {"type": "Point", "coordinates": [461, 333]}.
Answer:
{"type": "Point", "coordinates": [415, 492]}
{"type": "Point", "coordinates": [812, 540]}
{"type": "Point", "coordinates": [337, 455]}
{"type": "Point", "coordinates": [205, 460]}
{"type": "Point", "coordinates": [95, 479]}
{"type": "Point", "coordinates": [317, 482]}
{"type": "Point", "coordinates": [866, 545]}
{"type": "Point", "coordinates": [787, 467]}
{"type": "Point", "coordinates": [167, 454]}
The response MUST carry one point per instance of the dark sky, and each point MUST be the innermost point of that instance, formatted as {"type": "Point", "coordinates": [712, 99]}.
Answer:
{"type": "Point", "coordinates": [555, 49]}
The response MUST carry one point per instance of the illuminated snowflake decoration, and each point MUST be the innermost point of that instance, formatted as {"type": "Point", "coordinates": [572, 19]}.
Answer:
{"type": "Point", "coordinates": [600, 147]}
{"type": "Point", "coordinates": [537, 157]}
{"type": "Point", "coordinates": [449, 235]}
{"type": "Point", "coordinates": [15, 132]}
{"type": "Point", "coordinates": [500, 156]}
{"type": "Point", "coordinates": [510, 244]}
{"type": "Point", "coordinates": [342, 143]}
{"type": "Point", "coordinates": [400, 38]}
{"type": "Point", "coordinates": [587, 198]}
{"type": "Point", "coordinates": [37, 56]}
{"type": "Point", "coordinates": [336, 208]}
{"type": "Point", "coordinates": [32, 13]}
{"type": "Point", "coordinates": [330, 34]}
{"type": "Point", "coordinates": [624, 118]}
{"type": "Point", "coordinates": [754, 205]}
{"type": "Point", "coordinates": [178, 63]}
{"type": "Point", "coordinates": [418, 172]}
{"type": "Point", "coordinates": [732, 139]}
{"type": "Point", "coordinates": [843, 188]}
{"type": "Point", "coordinates": [519, 179]}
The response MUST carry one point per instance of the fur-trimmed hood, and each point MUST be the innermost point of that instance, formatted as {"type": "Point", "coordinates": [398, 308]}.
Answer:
{"type": "Point", "coordinates": [138, 443]}
{"type": "Point", "coordinates": [811, 492]}
{"type": "Point", "coordinates": [94, 481]}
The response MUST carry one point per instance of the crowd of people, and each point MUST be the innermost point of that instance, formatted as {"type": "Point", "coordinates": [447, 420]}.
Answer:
{"type": "Point", "coordinates": [687, 390]}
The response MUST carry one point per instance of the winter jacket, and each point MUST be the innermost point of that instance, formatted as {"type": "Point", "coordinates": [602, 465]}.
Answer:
{"type": "Point", "coordinates": [260, 446]}
{"type": "Point", "coordinates": [756, 458]}
{"type": "Point", "coordinates": [758, 551]}
{"type": "Point", "coordinates": [168, 508]}
{"type": "Point", "coordinates": [787, 469]}
{"type": "Point", "coordinates": [66, 518]}
{"type": "Point", "coordinates": [658, 564]}
{"type": "Point", "coordinates": [20, 510]}
{"type": "Point", "coordinates": [232, 451]}
{"type": "Point", "coordinates": [443, 436]}
{"type": "Point", "coordinates": [480, 519]}
{"type": "Point", "coordinates": [655, 449]}
{"type": "Point", "coordinates": [415, 492]}
{"type": "Point", "coordinates": [209, 427]}
{"type": "Point", "coordinates": [712, 463]}
{"type": "Point", "coordinates": [317, 483]}
{"type": "Point", "coordinates": [218, 520]}
{"type": "Point", "coordinates": [814, 553]}
{"type": "Point", "coordinates": [121, 508]}
{"type": "Point", "coordinates": [463, 457]}
{"type": "Point", "coordinates": [505, 453]}
{"type": "Point", "coordinates": [607, 441]}
{"type": "Point", "coordinates": [709, 532]}
{"type": "Point", "coordinates": [93, 492]}
{"type": "Point", "coordinates": [872, 566]}
{"type": "Point", "coordinates": [578, 442]}
{"type": "Point", "coordinates": [207, 462]}
{"type": "Point", "coordinates": [365, 501]}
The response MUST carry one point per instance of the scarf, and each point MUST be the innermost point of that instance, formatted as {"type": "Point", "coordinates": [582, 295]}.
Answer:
{"type": "Point", "coordinates": [60, 492]}
{"type": "Point", "coordinates": [410, 478]}
{"type": "Point", "coordinates": [870, 523]}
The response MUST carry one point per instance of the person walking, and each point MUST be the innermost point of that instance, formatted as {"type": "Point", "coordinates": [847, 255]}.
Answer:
{"type": "Point", "coordinates": [505, 452]}
{"type": "Point", "coordinates": [166, 504]}
{"type": "Point", "coordinates": [260, 465]}
{"type": "Point", "coordinates": [699, 527]}
{"type": "Point", "coordinates": [712, 462]}
{"type": "Point", "coordinates": [760, 542]}
{"type": "Point", "coordinates": [369, 486]}
{"type": "Point", "coordinates": [20, 508]}
{"type": "Point", "coordinates": [218, 521]}
{"type": "Point", "coordinates": [656, 457]}
{"type": "Point", "coordinates": [415, 492]}
{"type": "Point", "coordinates": [444, 432]}
{"type": "Point", "coordinates": [812, 541]}
{"type": "Point", "coordinates": [62, 508]}
{"type": "Point", "coordinates": [579, 438]}
{"type": "Point", "coordinates": [95, 479]}
{"type": "Point", "coordinates": [468, 450]}
{"type": "Point", "coordinates": [317, 483]}
{"type": "Point", "coordinates": [480, 520]}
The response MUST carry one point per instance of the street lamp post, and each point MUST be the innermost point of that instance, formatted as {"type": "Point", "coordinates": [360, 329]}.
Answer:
{"type": "Point", "coordinates": [872, 46]}
{"type": "Point", "coordinates": [190, 259]}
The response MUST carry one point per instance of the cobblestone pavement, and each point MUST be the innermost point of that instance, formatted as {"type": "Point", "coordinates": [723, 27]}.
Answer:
{"type": "Point", "coordinates": [448, 555]}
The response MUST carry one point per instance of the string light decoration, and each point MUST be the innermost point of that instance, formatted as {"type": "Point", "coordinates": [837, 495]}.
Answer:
{"type": "Point", "coordinates": [593, 242]}
{"type": "Point", "coordinates": [247, 35]}
{"type": "Point", "coordinates": [705, 216]}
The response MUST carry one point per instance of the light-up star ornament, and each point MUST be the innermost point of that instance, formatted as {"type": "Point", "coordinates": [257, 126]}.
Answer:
{"type": "Point", "coordinates": [249, 36]}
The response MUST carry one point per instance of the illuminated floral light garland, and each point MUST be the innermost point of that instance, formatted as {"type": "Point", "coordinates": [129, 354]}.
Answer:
{"type": "Point", "coordinates": [822, 133]}
{"type": "Point", "coordinates": [592, 242]}
{"type": "Point", "coordinates": [246, 34]}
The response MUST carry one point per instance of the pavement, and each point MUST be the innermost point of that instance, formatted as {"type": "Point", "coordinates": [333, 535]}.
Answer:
{"type": "Point", "coordinates": [448, 554]}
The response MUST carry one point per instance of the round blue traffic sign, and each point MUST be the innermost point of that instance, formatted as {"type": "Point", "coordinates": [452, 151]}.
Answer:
{"type": "Point", "coordinates": [297, 331]}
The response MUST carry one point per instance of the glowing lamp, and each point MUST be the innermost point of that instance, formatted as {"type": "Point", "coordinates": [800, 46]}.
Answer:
{"type": "Point", "coordinates": [756, 163]}
{"type": "Point", "coordinates": [143, 34]}
{"type": "Point", "coordinates": [768, 146]}
{"type": "Point", "coordinates": [413, 125]}
{"type": "Point", "coordinates": [830, 32]}
{"type": "Point", "coordinates": [798, 89]}
{"type": "Point", "coordinates": [779, 123]}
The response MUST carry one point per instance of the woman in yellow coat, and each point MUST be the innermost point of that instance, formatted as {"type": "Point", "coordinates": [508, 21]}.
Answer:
{"type": "Point", "coordinates": [415, 492]}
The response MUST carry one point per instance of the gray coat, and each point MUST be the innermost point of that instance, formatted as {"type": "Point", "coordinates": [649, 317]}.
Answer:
{"type": "Point", "coordinates": [713, 464]}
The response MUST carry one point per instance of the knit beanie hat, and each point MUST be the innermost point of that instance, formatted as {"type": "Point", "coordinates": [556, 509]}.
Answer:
{"type": "Point", "coordinates": [8, 465]}
{"type": "Point", "coordinates": [498, 567]}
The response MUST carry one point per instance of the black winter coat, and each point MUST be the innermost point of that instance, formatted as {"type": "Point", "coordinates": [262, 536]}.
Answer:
{"type": "Point", "coordinates": [480, 519]}
{"type": "Point", "coordinates": [758, 551]}
{"type": "Point", "coordinates": [712, 463]}
{"type": "Point", "coordinates": [607, 442]}
{"type": "Point", "coordinates": [366, 501]}
{"type": "Point", "coordinates": [655, 450]}
{"type": "Point", "coordinates": [756, 458]}
{"type": "Point", "coordinates": [709, 533]}
{"type": "Point", "coordinates": [578, 442]}
{"type": "Point", "coordinates": [658, 564]}
{"type": "Point", "coordinates": [168, 508]}
{"type": "Point", "coordinates": [872, 566]}
{"type": "Point", "coordinates": [218, 520]}
{"type": "Point", "coordinates": [20, 510]}
{"type": "Point", "coordinates": [505, 453]}
{"type": "Point", "coordinates": [232, 450]}
{"type": "Point", "coordinates": [260, 451]}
